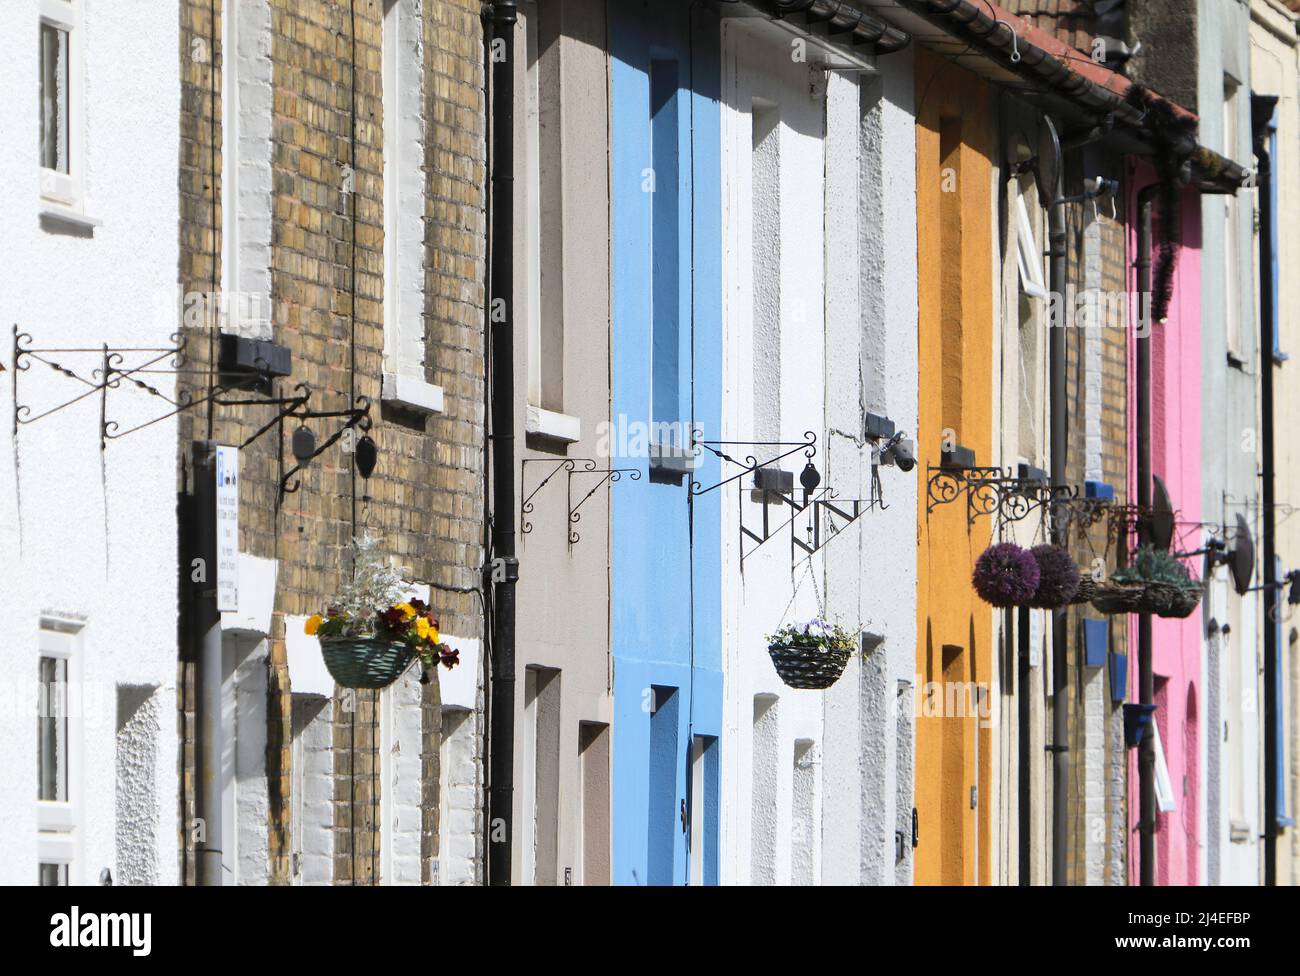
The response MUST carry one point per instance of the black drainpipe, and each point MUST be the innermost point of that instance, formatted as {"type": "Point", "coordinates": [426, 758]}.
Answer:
{"type": "Point", "coordinates": [1056, 399]}
{"type": "Point", "coordinates": [1264, 106]}
{"type": "Point", "coordinates": [1022, 706]}
{"type": "Point", "coordinates": [1146, 675]}
{"type": "Point", "coordinates": [505, 567]}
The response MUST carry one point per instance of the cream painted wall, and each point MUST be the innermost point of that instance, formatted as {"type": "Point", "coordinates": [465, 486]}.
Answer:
{"type": "Point", "coordinates": [1275, 70]}
{"type": "Point", "coordinates": [563, 589]}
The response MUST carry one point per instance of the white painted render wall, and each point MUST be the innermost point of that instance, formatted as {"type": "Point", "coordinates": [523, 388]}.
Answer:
{"type": "Point", "coordinates": [786, 209]}
{"type": "Point", "coordinates": [885, 560]}
{"type": "Point", "coordinates": [839, 185]}
{"type": "Point", "coordinates": [90, 538]}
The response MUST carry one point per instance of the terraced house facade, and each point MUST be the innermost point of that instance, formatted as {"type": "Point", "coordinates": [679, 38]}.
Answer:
{"type": "Point", "coordinates": [624, 442]}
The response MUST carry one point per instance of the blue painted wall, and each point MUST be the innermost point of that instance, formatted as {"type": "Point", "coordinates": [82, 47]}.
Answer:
{"type": "Point", "coordinates": [667, 358]}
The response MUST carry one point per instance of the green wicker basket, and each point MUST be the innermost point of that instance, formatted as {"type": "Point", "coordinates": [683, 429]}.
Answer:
{"type": "Point", "coordinates": [365, 662]}
{"type": "Point", "coordinates": [1182, 602]}
{"type": "Point", "coordinates": [1151, 596]}
{"type": "Point", "coordinates": [1087, 590]}
{"type": "Point", "coordinates": [802, 666]}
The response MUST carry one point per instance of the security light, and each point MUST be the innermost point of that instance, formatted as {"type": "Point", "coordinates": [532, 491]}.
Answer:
{"type": "Point", "coordinates": [900, 452]}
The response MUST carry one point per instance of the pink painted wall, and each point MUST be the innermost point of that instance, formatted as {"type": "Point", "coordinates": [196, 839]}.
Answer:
{"type": "Point", "coordinates": [1176, 459]}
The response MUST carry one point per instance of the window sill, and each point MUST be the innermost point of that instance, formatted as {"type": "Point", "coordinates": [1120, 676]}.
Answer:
{"type": "Point", "coordinates": [411, 393]}
{"type": "Point", "coordinates": [553, 426]}
{"type": "Point", "coordinates": [67, 217]}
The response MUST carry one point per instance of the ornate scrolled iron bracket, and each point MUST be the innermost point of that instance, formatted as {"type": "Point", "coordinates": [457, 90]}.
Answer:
{"type": "Point", "coordinates": [991, 490]}
{"type": "Point", "coordinates": [110, 373]}
{"type": "Point", "coordinates": [808, 445]}
{"type": "Point", "coordinates": [822, 514]}
{"type": "Point", "coordinates": [354, 418]}
{"type": "Point", "coordinates": [526, 500]}
{"type": "Point", "coordinates": [605, 475]}
{"type": "Point", "coordinates": [573, 468]}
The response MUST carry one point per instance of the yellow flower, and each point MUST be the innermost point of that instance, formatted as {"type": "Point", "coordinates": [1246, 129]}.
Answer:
{"type": "Point", "coordinates": [313, 623]}
{"type": "Point", "coordinates": [426, 630]}
{"type": "Point", "coordinates": [408, 611]}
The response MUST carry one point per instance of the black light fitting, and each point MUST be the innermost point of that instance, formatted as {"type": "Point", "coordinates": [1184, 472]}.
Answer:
{"type": "Point", "coordinates": [304, 444]}
{"type": "Point", "coordinates": [366, 456]}
{"type": "Point", "coordinates": [810, 478]}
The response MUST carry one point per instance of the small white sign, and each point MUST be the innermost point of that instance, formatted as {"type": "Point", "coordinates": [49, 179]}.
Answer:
{"type": "Point", "coordinates": [1035, 638]}
{"type": "Point", "coordinates": [227, 529]}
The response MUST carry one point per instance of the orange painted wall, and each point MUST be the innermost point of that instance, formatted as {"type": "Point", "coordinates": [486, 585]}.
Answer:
{"type": "Point", "coordinates": [955, 241]}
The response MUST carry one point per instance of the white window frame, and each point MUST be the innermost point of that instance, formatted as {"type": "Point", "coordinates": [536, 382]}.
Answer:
{"type": "Point", "coordinates": [544, 419]}
{"type": "Point", "coordinates": [696, 815]}
{"type": "Point", "coordinates": [403, 382]}
{"type": "Point", "coordinates": [59, 824]}
{"type": "Point", "coordinates": [246, 107]}
{"type": "Point", "coordinates": [1029, 253]}
{"type": "Point", "coordinates": [229, 166]}
{"type": "Point", "coordinates": [63, 194]}
{"type": "Point", "coordinates": [533, 194]}
{"type": "Point", "coordinates": [1232, 249]}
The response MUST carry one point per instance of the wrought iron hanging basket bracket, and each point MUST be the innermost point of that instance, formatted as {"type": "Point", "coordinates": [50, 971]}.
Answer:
{"type": "Point", "coordinates": [604, 476]}
{"type": "Point", "coordinates": [751, 463]}
{"type": "Point", "coordinates": [110, 372]}
{"type": "Point", "coordinates": [995, 490]}
{"type": "Point", "coordinates": [354, 418]}
{"type": "Point", "coordinates": [526, 505]}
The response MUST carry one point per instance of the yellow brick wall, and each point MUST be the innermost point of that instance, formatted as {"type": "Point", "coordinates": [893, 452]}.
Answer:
{"type": "Point", "coordinates": [1114, 459]}
{"type": "Point", "coordinates": [425, 499]}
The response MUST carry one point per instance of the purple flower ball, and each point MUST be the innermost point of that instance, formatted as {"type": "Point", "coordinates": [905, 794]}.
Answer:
{"type": "Point", "coordinates": [1006, 575]}
{"type": "Point", "coordinates": [1058, 577]}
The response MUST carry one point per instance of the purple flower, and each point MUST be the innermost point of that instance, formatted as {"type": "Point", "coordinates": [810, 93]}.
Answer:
{"type": "Point", "coordinates": [1058, 577]}
{"type": "Point", "coordinates": [1006, 575]}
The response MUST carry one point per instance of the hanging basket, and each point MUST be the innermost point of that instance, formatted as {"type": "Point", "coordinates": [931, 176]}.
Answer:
{"type": "Point", "coordinates": [1058, 577]}
{"type": "Point", "coordinates": [365, 662]}
{"type": "Point", "coordinates": [1159, 598]}
{"type": "Point", "coordinates": [1006, 575]}
{"type": "Point", "coordinates": [1152, 596]}
{"type": "Point", "coordinates": [1112, 597]}
{"type": "Point", "coordinates": [1181, 602]}
{"type": "Point", "coordinates": [1087, 590]}
{"type": "Point", "coordinates": [809, 666]}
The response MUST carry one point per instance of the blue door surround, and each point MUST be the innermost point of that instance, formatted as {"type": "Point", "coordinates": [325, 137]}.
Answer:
{"type": "Point", "coordinates": [667, 356]}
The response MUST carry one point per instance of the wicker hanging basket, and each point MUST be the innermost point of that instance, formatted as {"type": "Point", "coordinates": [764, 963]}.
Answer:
{"type": "Point", "coordinates": [809, 666]}
{"type": "Point", "coordinates": [1087, 590]}
{"type": "Point", "coordinates": [1182, 602]}
{"type": "Point", "coordinates": [1112, 597]}
{"type": "Point", "coordinates": [1151, 596]}
{"type": "Point", "coordinates": [365, 662]}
